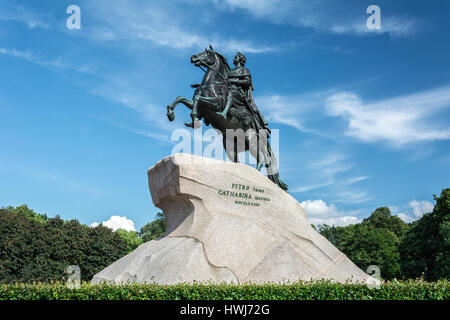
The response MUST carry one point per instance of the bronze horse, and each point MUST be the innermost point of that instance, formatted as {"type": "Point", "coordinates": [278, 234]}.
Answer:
{"type": "Point", "coordinates": [209, 100]}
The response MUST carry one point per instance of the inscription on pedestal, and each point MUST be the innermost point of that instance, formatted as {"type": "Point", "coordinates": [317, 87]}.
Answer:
{"type": "Point", "coordinates": [248, 194]}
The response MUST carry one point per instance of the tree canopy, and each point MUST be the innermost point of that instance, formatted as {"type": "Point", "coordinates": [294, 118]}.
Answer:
{"type": "Point", "coordinates": [131, 238]}
{"type": "Point", "coordinates": [421, 248]}
{"type": "Point", "coordinates": [371, 242]}
{"type": "Point", "coordinates": [34, 247]}
{"type": "Point", "coordinates": [426, 246]}
{"type": "Point", "coordinates": [31, 250]}
{"type": "Point", "coordinates": [154, 229]}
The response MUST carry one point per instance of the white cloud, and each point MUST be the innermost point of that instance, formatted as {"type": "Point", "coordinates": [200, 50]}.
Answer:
{"type": "Point", "coordinates": [406, 218]}
{"type": "Point", "coordinates": [117, 222]}
{"type": "Point", "coordinates": [315, 208]}
{"type": "Point", "coordinates": [319, 212]}
{"type": "Point", "coordinates": [420, 207]}
{"type": "Point", "coordinates": [400, 120]}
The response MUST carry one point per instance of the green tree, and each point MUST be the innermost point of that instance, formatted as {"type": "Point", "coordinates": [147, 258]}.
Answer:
{"type": "Point", "coordinates": [102, 248]}
{"type": "Point", "coordinates": [36, 251]}
{"type": "Point", "coordinates": [154, 229]}
{"type": "Point", "coordinates": [19, 240]}
{"type": "Point", "coordinates": [131, 238]}
{"type": "Point", "coordinates": [426, 249]}
{"type": "Point", "coordinates": [366, 245]}
{"type": "Point", "coordinates": [382, 218]}
{"type": "Point", "coordinates": [333, 234]}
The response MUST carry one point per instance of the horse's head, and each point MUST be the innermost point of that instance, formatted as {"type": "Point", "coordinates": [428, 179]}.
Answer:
{"type": "Point", "coordinates": [206, 58]}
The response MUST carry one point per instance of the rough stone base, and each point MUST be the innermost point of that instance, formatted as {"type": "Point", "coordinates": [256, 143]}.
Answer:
{"type": "Point", "coordinates": [227, 222]}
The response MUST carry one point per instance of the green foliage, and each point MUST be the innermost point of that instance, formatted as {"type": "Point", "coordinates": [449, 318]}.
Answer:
{"type": "Point", "coordinates": [366, 245]}
{"type": "Point", "coordinates": [375, 241]}
{"type": "Point", "coordinates": [319, 290]}
{"type": "Point", "coordinates": [130, 238]}
{"type": "Point", "coordinates": [154, 229]}
{"type": "Point", "coordinates": [36, 251]}
{"type": "Point", "coordinates": [23, 209]}
{"type": "Point", "coordinates": [426, 247]}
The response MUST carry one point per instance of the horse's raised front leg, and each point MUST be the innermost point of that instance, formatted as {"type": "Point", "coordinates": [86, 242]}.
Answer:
{"type": "Point", "coordinates": [180, 99]}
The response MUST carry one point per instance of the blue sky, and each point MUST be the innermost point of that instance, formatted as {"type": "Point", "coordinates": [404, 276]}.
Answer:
{"type": "Point", "coordinates": [363, 115]}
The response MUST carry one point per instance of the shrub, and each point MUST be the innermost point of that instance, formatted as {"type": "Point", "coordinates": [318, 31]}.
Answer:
{"type": "Point", "coordinates": [318, 290]}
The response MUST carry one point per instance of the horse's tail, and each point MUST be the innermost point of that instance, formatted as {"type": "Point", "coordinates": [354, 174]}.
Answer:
{"type": "Point", "coordinates": [272, 169]}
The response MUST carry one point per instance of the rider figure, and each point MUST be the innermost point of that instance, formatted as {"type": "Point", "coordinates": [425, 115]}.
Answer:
{"type": "Point", "coordinates": [240, 90]}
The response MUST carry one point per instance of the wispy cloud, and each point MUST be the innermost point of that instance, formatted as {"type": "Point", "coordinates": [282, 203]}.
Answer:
{"type": "Point", "coordinates": [395, 26]}
{"type": "Point", "coordinates": [112, 87]}
{"type": "Point", "coordinates": [57, 63]}
{"type": "Point", "coordinates": [16, 11]}
{"type": "Point", "coordinates": [400, 120]}
{"type": "Point", "coordinates": [292, 110]}
{"type": "Point", "coordinates": [329, 176]}
{"type": "Point", "coordinates": [324, 171]}
{"type": "Point", "coordinates": [21, 14]}
{"type": "Point", "coordinates": [324, 16]}
{"type": "Point", "coordinates": [352, 196]}
{"type": "Point", "coordinates": [161, 24]}
{"type": "Point", "coordinates": [354, 180]}
{"type": "Point", "coordinates": [62, 181]}
{"type": "Point", "coordinates": [158, 136]}
{"type": "Point", "coordinates": [129, 93]}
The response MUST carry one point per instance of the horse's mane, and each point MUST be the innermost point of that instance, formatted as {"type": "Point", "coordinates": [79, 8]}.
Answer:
{"type": "Point", "coordinates": [224, 60]}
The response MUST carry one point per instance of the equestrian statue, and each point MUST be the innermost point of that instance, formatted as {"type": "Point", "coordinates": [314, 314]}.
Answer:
{"type": "Point", "coordinates": [225, 101]}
